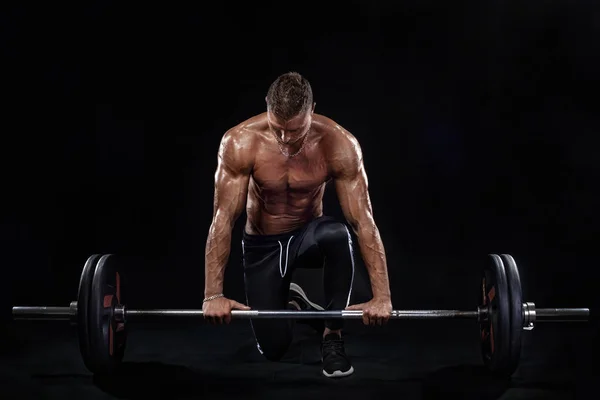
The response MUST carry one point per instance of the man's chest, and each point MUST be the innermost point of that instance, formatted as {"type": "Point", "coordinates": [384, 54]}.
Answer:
{"type": "Point", "coordinates": [304, 173]}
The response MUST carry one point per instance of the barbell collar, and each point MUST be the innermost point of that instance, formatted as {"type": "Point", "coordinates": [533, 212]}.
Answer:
{"type": "Point", "coordinates": [528, 316]}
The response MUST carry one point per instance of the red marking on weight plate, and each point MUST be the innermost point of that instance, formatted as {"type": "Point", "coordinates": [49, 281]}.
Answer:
{"type": "Point", "coordinates": [108, 300]}
{"type": "Point", "coordinates": [492, 293]}
{"type": "Point", "coordinates": [483, 292]}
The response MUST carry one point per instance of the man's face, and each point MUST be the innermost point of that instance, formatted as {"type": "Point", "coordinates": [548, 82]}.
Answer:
{"type": "Point", "coordinates": [290, 131]}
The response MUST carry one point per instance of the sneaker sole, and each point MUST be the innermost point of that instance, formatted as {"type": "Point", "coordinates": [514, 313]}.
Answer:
{"type": "Point", "coordinates": [294, 287]}
{"type": "Point", "coordinates": [338, 373]}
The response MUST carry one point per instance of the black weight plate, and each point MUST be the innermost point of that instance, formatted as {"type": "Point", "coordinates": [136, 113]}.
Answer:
{"type": "Point", "coordinates": [108, 338]}
{"type": "Point", "coordinates": [495, 329]}
{"type": "Point", "coordinates": [83, 301]}
{"type": "Point", "coordinates": [516, 311]}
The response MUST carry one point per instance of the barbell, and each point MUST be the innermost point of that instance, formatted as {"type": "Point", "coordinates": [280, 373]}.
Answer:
{"type": "Point", "coordinates": [101, 317]}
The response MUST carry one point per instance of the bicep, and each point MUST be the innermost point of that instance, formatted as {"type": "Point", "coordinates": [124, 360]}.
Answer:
{"type": "Point", "coordinates": [230, 193]}
{"type": "Point", "coordinates": [231, 184]}
{"type": "Point", "coordinates": [351, 181]}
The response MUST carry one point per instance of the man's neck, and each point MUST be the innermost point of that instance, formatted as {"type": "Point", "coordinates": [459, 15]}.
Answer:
{"type": "Point", "coordinates": [292, 150]}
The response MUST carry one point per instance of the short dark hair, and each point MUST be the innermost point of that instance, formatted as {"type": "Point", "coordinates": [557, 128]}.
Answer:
{"type": "Point", "coordinates": [289, 95]}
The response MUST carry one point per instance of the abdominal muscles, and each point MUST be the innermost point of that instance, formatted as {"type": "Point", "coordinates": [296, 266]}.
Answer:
{"type": "Point", "coordinates": [282, 200]}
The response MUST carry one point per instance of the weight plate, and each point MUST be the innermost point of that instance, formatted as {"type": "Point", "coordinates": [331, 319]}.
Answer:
{"type": "Point", "coordinates": [495, 329]}
{"type": "Point", "coordinates": [516, 312]}
{"type": "Point", "coordinates": [108, 338]}
{"type": "Point", "coordinates": [83, 301]}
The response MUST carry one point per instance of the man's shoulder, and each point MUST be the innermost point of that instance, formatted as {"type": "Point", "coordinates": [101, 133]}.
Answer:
{"type": "Point", "coordinates": [245, 134]}
{"type": "Point", "coordinates": [334, 135]}
{"type": "Point", "coordinates": [341, 147]}
{"type": "Point", "coordinates": [239, 143]}
{"type": "Point", "coordinates": [248, 129]}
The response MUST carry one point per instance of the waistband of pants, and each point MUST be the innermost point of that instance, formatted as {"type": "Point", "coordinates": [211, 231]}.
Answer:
{"type": "Point", "coordinates": [264, 239]}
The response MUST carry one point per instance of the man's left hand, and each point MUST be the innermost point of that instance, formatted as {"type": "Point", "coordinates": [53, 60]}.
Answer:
{"type": "Point", "coordinates": [376, 311]}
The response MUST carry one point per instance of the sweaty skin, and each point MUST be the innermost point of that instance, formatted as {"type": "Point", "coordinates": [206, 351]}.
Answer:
{"type": "Point", "coordinates": [282, 193]}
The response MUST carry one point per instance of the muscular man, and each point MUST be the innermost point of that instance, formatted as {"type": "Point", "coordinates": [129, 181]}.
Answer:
{"type": "Point", "coordinates": [277, 165]}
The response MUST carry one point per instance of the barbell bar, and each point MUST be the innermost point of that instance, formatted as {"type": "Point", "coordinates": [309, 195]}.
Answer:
{"type": "Point", "coordinates": [101, 315]}
{"type": "Point", "coordinates": [70, 313]}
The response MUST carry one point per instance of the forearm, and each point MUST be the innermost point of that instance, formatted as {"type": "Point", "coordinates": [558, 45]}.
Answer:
{"type": "Point", "coordinates": [373, 254]}
{"type": "Point", "coordinates": [218, 247]}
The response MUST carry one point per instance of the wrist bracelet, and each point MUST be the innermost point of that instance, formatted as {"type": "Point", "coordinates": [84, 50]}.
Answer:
{"type": "Point", "coordinates": [214, 296]}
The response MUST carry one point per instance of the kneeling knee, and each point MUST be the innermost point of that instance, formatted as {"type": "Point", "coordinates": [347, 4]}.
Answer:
{"type": "Point", "coordinates": [332, 232]}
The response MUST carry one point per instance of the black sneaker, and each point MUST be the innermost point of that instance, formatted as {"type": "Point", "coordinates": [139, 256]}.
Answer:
{"type": "Point", "coordinates": [299, 297]}
{"type": "Point", "coordinates": [336, 363]}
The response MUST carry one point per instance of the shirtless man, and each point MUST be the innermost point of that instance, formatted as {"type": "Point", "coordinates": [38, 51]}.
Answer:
{"type": "Point", "coordinates": [277, 165]}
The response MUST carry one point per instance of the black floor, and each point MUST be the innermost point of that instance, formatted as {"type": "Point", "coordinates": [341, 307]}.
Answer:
{"type": "Point", "coordinates": [406, 360]}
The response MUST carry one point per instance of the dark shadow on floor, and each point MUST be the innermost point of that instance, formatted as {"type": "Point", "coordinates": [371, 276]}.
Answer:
{"type": "Point", "coordinates": [159, 380]}
{"type": "Point", "coordinates": [463, 382]}
{"type": "Point", "coordinates": [476, 382]}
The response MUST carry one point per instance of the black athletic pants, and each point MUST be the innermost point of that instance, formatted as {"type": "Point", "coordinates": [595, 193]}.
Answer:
{"type": "Point", "coordinates": [269, 262]}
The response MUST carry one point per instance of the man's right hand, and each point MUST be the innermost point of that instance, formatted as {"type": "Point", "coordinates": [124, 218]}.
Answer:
{"type": "Point", "coordinates": [218, 310]}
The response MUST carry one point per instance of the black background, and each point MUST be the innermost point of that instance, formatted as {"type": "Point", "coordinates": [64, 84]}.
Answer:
{"type": "Point", "coordinates": [478, 123]}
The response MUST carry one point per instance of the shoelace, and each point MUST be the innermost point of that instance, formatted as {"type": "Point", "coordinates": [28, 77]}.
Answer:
{"type": "Point", "coordinates": [334, 347]}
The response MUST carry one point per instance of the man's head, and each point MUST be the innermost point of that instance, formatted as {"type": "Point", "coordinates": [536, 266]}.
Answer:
{"type": "Point", "coordinates": [290, 107]}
